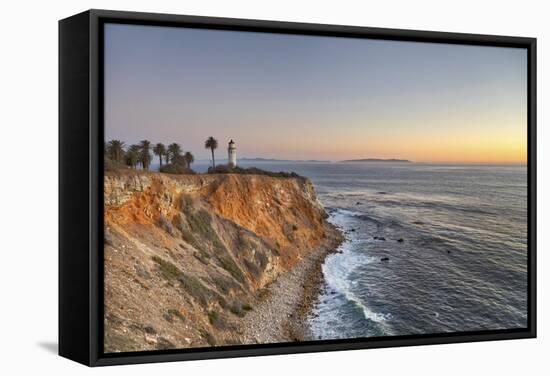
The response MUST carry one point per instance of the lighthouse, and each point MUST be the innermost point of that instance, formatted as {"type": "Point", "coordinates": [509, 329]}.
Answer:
{"type": "Point", "coordinates": [232, 154]}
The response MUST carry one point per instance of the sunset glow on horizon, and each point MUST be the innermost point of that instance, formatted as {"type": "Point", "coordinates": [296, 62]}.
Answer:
{"type": "Point", "coordinates": [307, 97]}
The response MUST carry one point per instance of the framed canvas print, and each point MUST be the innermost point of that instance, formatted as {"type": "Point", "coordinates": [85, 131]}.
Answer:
{"type": "Point", "coordinates": [239, 187]}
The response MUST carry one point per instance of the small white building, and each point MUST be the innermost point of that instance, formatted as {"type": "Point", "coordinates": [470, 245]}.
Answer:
{"type": "Point", "coordinates": [232, 154]}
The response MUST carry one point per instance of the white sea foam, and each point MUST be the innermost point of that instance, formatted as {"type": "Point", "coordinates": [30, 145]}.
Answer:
{"type": "Point", "coordinates": [337, 271]}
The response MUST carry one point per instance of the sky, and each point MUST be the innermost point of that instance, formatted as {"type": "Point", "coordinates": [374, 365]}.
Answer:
{"type": "Point", "coordinates": [312, 97]}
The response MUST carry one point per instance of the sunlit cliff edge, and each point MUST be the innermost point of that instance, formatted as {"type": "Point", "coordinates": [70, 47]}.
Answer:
{"type": "Point", "coordinates": [187, 255]}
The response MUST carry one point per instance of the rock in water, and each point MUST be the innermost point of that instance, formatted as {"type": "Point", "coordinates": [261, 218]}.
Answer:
{"type": "Point", "coordinates": [384, 259]}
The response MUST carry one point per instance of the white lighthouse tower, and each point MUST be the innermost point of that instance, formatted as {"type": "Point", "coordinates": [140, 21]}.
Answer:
{"type": "Point", "coordinates": [232, 154]}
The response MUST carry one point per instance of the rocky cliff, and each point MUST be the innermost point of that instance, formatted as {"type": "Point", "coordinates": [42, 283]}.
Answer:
{"type": "Point", "coordinates": [185, 255]}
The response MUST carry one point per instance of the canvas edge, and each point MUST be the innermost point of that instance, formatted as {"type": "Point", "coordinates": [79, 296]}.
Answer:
{"type": "Point", "coordinates": [74, 216]}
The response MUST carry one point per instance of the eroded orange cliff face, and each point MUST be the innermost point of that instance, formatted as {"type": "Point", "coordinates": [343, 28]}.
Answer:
{"type": "Point", "coordinates": [185, 254]}
{"type": "Point", "coordinates": [284, 211]}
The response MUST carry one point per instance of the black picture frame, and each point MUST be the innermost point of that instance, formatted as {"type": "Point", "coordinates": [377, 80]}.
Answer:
{"type": "Point", "coordinates": [81, 188]}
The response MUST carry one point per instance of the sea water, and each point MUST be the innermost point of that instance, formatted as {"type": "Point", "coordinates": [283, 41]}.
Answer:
{"type": "Point", "coordinates": [428, 249]}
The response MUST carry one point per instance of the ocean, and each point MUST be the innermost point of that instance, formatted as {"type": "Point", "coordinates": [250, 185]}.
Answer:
{"type": "Point", "coordinates": [429, 248]}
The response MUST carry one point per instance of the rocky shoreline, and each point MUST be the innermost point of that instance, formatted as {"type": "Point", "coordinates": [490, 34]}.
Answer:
{"type": "Point", "coordinates": [281, 309]}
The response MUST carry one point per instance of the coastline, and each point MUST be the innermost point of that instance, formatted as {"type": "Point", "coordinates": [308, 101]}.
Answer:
{"type": "Point", "coordinates": [281, 309]}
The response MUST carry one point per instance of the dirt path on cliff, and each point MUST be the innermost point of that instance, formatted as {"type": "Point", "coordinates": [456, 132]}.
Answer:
{"type": "Point", "coordinates": [280, 312]}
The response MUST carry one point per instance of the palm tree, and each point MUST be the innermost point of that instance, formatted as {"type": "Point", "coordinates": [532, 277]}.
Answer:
{"type": "Point", "coordinates": [174, 151]}
{"type": "Point", "coordinates": [115, 150]}
{"type": "Point", "coordinates": [211, 143]}
{"type": "Point", "coordinates": [188, 158]}
{"type": "Point", "coordinates": [144, 154]}
{"type": "Point", "coordinates": [132, 156]}
{"type": "Point", "coordinates": [159, 150]}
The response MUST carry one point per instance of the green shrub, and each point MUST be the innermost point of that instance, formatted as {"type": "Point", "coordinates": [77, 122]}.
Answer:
{"type": "Point", "coordinates": [188, 235]}
{"type": "Point", "coordinates": [217, 243]}
{"type": "Point", "coordinates": [167, 269]}
{"type": "Point", "coordinates": [168, 317]}
{"type": "Point", "coordinates": [208, 337]}
{"type": "Point", "coordinates": [221, 301]}
{"type": "Point", "coordinates": [149, 330]}
{"type": "Point", "coordinates": [192, 285]}
{"type": "Point", "coordinates": [190, 238]}
{"type": "Point", "coordinates": [226, 169]}
{"type": "Point", "coordinates": [224, 284]}
{"type": "Point", "coordinates": [213, 317]}
{"type": "Point", "coordinates": [200, 232]}
{"type": "Point", "coordinates": [164, 344]}
{"type": "Point", "coordinates": [252, 268]}
{"type": "Point", "coordinates": [243, 243]}
{"type": "Point", "coordinates": [196, 289]}
{"type": "Point", "coordinates": [178, 169]}
{"type": "Point", "coordinates": [228, 264]}
{"type": "Point", "coordinates": [262, 259]}
{"type": "Point", "coordinates": [216, 320]}
{"type": "Point", "coordinates": [236, 309]}
{"type": "Point", "coordinates": [201, 257]}
{"type": "Point", "coordinates": [110, 165]}
{"type": "Point", "coordinates": [239, 309]}
{"type": "Point", "coordinates": [199, 222]}
{"type": "Point", "coordinates": [176, 313]}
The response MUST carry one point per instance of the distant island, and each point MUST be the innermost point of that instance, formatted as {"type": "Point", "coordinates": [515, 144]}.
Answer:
{"type": "Point", "coordinates": [279, 160]}
{"type": "Point", "coordinates": [378, 160]}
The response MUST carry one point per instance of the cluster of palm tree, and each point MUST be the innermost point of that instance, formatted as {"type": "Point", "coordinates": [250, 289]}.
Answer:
{"type": "Point", "coordinates": [140, 154]}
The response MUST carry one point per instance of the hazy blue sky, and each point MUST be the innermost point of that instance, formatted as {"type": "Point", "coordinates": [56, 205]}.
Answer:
{"type": "Point", "coordinates": [304, 97]}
